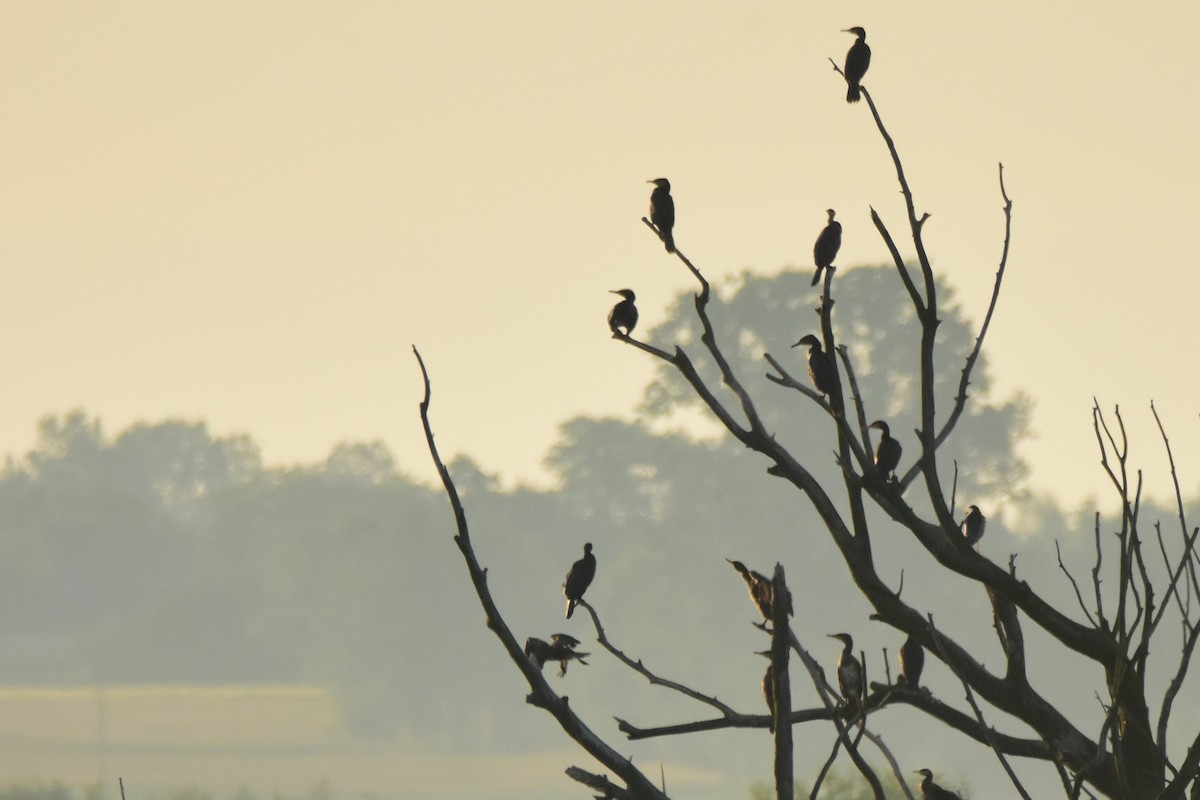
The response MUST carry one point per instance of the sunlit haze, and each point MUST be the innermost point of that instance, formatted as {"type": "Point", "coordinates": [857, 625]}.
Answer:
{"type": "Point", "coordinates": [248, 212]}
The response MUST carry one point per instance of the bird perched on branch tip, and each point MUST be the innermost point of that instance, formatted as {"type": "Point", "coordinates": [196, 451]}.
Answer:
{"type": "Point", "coordinates": [579, 578]}
{"type": "Point", "coordinates": [662, 211]}
{"type": "Point", "coordinates": [624, 314]}
{"type": "Point", "coordinates": [858, 58]}
{"type": "Point", "coordinates": [761, 588]}
{"type": "Point", "coordinates": [827, 246]}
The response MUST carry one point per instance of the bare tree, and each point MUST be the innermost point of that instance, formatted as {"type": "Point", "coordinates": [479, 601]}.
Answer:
{"type": "Point", "coordinates": [1124, 607]}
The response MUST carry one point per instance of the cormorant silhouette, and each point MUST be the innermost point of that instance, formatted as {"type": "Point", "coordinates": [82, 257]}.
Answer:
{"type": "Point", "coordinates": [579, 577]}
{"type": "Point", "coordinates": [561, 649]}
{"type": "Point", "coordinates": [912, 662]}
{"type": "Point", "coordinates": [624, 314]}
{"type": "Point", "coordinates": [849, 672]}
{"type": "Point", "coordinates": [931, 791]}
{"type": "Point", "coordinates": [820, 365]}
{"type": "Point", "coordinates": [826, 248]}
{"type": "Point", "coordinates": [768, 687]}
{"type": "Point", "coordinates": [887, 452]}
{"type": "Point", "coordinates": [973, 525]}
{"type": "Point", "coordinates": [662, 211]}
{"type": "Point", "coordinates": [762, 591]}
{"type": "Point", "coordinates": [858, 58]}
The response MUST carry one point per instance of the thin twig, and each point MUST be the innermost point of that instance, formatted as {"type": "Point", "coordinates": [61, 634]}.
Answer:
{"type": "Point", "coordinates": [983, 726]}
{"type": "Point", "coordinates": [640, 668]}
{"type": "Point", "coordinates": [1074, 585]}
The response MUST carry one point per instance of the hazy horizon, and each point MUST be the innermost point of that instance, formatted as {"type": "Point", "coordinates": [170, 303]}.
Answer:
{"type": "Point", "coordinates": [227, 224]}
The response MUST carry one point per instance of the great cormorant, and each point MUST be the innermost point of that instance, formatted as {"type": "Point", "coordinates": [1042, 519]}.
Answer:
{"type": "Point", "coordinates": [820, 365]}
{"type": "Point", "coordinates": [768, 687]}
{"type": "Point", "coordinates": [826, 248]}
{"type": "Point", "coordinates": [887, 452]}
{"type": "Point", "coordinates": [662, 211]}
{"type": "Point", "coordinates": [973, 525]}
{"type": "Point", "coordinates": [912, 662]}
{"type": "Point", "coordinates": [931, 791]}
{"type": "Point", "coordinates": [579, 577]}
{"type": "Point", "coordinates": [849, 672]}
{"type": "Point", "coordinates": [624, 314]}
{"type": "Point", "coordinates": [561, 649]}
{"type": "Point", "coordinates": [761, 589]}
{"type": "Point", "coordinates": [857, 60]}
{"type": "Point", "coordinates": [564, 645]}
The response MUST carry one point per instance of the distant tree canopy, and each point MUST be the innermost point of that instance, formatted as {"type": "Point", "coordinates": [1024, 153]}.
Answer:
{"type": "Point", "coordinates": [165, 553]}
{"type": "Point", "coordinates": [877, 323]}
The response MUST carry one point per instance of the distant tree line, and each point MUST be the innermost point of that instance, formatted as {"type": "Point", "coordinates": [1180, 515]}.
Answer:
{"type": "Point", "coordinates": [165, 553]}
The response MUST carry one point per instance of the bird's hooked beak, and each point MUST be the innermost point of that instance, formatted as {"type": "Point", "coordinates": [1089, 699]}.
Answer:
{"type": "Point", "coordinates": [804, 340]}
{"type": "Point", "coordinates": [614, 291]}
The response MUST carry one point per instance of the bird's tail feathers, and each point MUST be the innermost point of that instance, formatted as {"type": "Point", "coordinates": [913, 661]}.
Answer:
{"type": "Point", "coordinates": [669, 241]}
{"type": "Point", "coordinates": [570, 608]}
{"type": "Point", "coordinates": [816, 278]}
{"type": "Point", "coordinates": [852, 93]}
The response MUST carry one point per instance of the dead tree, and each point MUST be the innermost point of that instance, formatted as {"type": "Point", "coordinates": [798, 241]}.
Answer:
{"type": "Point", "coordinates": [1127, 758]}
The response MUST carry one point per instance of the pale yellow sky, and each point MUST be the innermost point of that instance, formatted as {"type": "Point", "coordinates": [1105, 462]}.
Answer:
{"type": "Point", "coordinates": [248, 212]}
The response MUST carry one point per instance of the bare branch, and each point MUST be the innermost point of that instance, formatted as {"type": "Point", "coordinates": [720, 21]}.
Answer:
{"type": "Point", "coordinates": [541, 695]}
{"type": "Point", "coordinates": [781, 608]}
{"type": "Point", "coordinates": [817, 675]}
{"type": "Point", "coordinates": [960, 401]}
{"type": "Point", "coordinates": [983, 726]}
{"type": "Point", "coordinates": [600, 783]}
{"type": "Point", "coordinates": [1074, 585]}
{"type": "Point", "coordinates": [640, 668]}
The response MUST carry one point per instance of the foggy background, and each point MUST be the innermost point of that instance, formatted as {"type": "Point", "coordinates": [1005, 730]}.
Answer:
{"type": "Point", "coordinates": [226, 566]}
{"type": "Point", "coordinates": [163, 555]}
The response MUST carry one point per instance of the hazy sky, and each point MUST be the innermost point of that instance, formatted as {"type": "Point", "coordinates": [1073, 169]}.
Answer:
{"type": "Point", "coordinates": [248, 212]}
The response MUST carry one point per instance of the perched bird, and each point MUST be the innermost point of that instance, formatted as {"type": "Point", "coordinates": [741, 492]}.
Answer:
{"type": "Point", "coordinates": [849, 672]}
{"type": "Point", "coordinates": [579, 577]}
{"type": "Point", "coordinates": [820, 365]}
{"type": "Point", "coordinates": [768, 687]}
{"type": "Point", "coordinates": [931, 791]}
{"type": "Point", "coordinates": [857, 60]}
{"type": "Point", "coordinates": [762, 591]}
{"type": "Point", "coordinates": [827, 246]}
{"type": "Point", "coordinates": [624, 314]}
{"type": "Point", "coordinates": [887, 452]}
{"type": "Point", "coordinates": [973, 525]}
{"type": "Point", "coordinates": [912, 662]}
{"type": "Point", "coordinates": [561, 649]}
{"type": "Point", "coordinates": [662, 211]}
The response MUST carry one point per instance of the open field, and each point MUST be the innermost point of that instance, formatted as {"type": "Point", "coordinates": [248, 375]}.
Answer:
{"type": "Point", "coordinates": [268, 739]}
